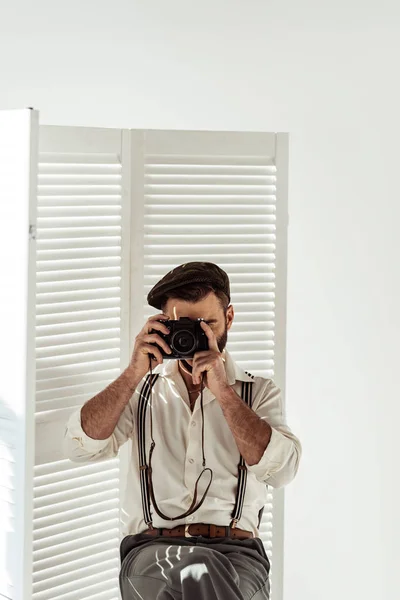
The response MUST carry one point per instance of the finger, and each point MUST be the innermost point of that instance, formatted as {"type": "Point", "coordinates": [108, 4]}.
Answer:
{"type": "Point", "coordinates": [150, 349]}
{"type": "Point", "coordinates": [153, 337]}
{"type": "Point", "coordinates": [196, 372]}
{"type": "Point", "coordinates": [153, 320]}
{"type": "Point", "coordinates": [197, 379]}
{"type": "Point", "coordinates": [212, 340]}
{"type": "Point", "coordinates": [155, 325]}
{"type": "Point", "coordinates": [156, 317]}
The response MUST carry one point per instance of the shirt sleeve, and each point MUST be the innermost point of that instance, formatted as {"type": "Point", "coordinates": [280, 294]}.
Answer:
{"type": "Point", "coordinates": [79, 447]}
{"type": "Point", "coordinates": [280, 461]}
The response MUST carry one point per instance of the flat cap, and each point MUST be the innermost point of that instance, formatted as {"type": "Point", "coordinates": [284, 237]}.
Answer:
{"type": "Point", "coordinates": [192, 272]}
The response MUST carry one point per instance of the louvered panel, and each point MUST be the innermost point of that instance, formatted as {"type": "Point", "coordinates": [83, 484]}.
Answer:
{"type": "Point", "coordinates": [79, 351]}
{"type": "Point", "coordinates": [215, 197]}
{"type": "Point", "coordinates": [76, 529]}
{"type": "Point", "coordinates": [196, 230]}
{"type": "Point", "coordinates": [266, 527]}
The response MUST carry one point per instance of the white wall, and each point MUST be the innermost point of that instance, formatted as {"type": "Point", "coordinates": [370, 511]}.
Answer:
{"type": "Point", "coordinates": [329, 74]}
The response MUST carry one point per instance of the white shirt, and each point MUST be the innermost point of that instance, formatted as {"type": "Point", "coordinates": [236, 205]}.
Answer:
{"type": "Point", "coordinates": [177, 456]}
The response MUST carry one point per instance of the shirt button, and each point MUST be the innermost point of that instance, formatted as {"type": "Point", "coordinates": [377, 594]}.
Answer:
{"type": "Point", "coordinates": [190, 518]}
{"type": "Point", "coordinates": [191, 461]}
{"type": "Point", "coordinates": [194, 424]}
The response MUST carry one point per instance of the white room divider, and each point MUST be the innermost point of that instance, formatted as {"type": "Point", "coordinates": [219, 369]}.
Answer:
{"type": "Point", "coordinates": [114, 211]}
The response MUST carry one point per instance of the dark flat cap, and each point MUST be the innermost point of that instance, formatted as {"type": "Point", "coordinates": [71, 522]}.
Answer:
{"type": "Point", "coordinates": [192, 272]}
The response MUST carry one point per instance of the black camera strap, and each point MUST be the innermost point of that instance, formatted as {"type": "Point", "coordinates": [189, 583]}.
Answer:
{"type": "Point", "coordinates": [146, 483]}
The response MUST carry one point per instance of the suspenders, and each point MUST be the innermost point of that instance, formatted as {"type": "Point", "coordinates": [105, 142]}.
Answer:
{"type": "Point", "coordinates": [247, 389]}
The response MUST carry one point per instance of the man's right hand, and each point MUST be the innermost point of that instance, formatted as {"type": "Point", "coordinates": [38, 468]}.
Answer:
{"type": "Point", "coordinates": [144, 346]}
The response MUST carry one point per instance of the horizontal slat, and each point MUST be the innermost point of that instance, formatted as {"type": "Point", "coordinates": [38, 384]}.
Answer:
{"type": "Point", "coordinates": [69, 515]}
{"type": "Point", "coordinates": [48, 409]}
{"type": "Point", "coordinates": [59, 387]}
{"type": "Point", "coordinates": [74, 157]}
{"type": "Point", "coordinates": [194, 229]}
{"type": "Point", "coordinates": [56, 373]}
{"type": "Point", "coordinates": [53, 573]}
{"type": "Point", "coordinates": [76, 359]}
{"type": "Point", "coordinates": [61, 318]}
{"type": "Point", "coordinates": [182, 168]}
{"type": "Point", "coordinates": [182, 236]}
{"type": "Point", "coordinates": [74, 496]}
{"type": "Point", "coordinates": [81, 212]}
{"type": "Point", "coordinates": [77, 285]}
{"type": "Point", "coordinates": [250, 335]}
{"type": "Point", "coordinates": [52, 233]}
{"type": "Point", "coordinates": [61, 528]}
{"type": "Point", "coordinates": [159, 210]}
{"type": "Point", "coordinates": [60, 222]}
{"type": "Point", "coordinates": [75, 486]}
{"type": "Point", "coordinates": [219, 160]}
{"type": "Point", "coordinates": [240, 347]}
{"type": "Point", "coordinates": [54, 510]}
{"type": "Point", "coordinates": [86, 529]}
{"type": "Point", "coordinates": [46, 257]}
{"type": "Point", "coordinates": [105, 347]}
{"type": "Point", "coordinates": [53, 471]}
{"type": "Point", "coordinates": [182, 221]}
{"type": "Point", "coordinates": [72, 581]}
{"type": "Point", "coordinates": [82, 585]}
{"type": "Point", "coordinates": [79, 190]}
{"type": "Point", "coordinates": [54, 200]}
{"type": "Point", "coordinates": [209, 179]}
{"type": "Point", "coordinates": [65, 308]}
{"type": "Point", "coordinates": [74, 274]}
{"type": "Point", "coordinates": [75, 245]}
{"type": "Point", "coordinates": [54, 551]}
{"type": "Point", "coordinates": [65, 179]}
{"type": "Point", "coordinates": [227, 200]}
{"type": "Point", "coordinates": [55, 168]}
{"type": "Point", "coordinates": [105, 263]}
{"type": "Point", "coordinates": [205, 190]}
{"type": "Point", "coordinates": [71, 297]}
{"type": "Point", "coordinates": [60, 342]}
{"type": "Point", "coordinates": [65, 328]}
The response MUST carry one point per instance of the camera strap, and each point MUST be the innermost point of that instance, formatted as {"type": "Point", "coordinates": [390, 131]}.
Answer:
{"type": "Point", "coordinates": [146, 484]}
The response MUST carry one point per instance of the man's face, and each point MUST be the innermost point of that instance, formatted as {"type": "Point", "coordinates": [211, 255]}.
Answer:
{"type": "Point", "coordinates": [208, 309]}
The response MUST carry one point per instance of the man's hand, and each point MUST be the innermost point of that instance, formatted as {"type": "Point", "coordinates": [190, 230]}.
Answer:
{"type": "Point", "coordinates": [210, 361]}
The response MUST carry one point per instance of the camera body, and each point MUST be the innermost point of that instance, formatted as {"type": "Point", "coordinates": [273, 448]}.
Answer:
{"type": "Point", "coordinates": [186, 337]}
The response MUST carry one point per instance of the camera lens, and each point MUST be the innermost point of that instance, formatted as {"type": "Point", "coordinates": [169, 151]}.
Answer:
{"type": "Point", "coordinates": [183, 342]}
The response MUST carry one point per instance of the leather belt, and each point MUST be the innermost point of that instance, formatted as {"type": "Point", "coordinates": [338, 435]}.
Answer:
{"type": "Point", "coordinates": [203, 529]}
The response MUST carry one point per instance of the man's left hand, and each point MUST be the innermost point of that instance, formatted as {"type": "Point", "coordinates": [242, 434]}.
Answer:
{"type": "Point", "coordinates": [210, 361]}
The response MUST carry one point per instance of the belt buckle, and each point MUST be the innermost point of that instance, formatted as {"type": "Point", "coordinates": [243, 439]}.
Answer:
{"type": "Point", "coordinates": [187, 534]}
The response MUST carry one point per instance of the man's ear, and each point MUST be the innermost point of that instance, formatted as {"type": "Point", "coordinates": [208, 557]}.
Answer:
{"type": "Point", "coordinates": [230, 313]}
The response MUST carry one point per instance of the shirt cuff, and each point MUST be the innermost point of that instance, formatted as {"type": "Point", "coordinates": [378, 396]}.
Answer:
{"type": "Point", "coordinates": [77, 441]}
{"type": "Point", "coordinates": [276, 455]}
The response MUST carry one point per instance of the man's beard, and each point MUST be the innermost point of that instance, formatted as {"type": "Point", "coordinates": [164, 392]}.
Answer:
{"type": "Point", "coordinates": [221, 343]}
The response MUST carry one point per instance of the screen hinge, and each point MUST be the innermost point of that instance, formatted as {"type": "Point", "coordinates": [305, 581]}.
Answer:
{"type": "Point", "coordinates": [32, 232]}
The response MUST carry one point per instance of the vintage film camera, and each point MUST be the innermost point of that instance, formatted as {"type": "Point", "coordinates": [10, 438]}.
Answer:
{"type": "Point", "coordinates": [186, 337]}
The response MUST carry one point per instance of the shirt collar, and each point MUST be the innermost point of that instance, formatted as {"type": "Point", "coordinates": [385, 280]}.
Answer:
{"type": "Point", "coordinates": [233, 372]}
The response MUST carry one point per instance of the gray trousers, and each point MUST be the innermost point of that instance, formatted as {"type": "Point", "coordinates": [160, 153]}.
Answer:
{"type": "Point", "coordinates": [198, 568]}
